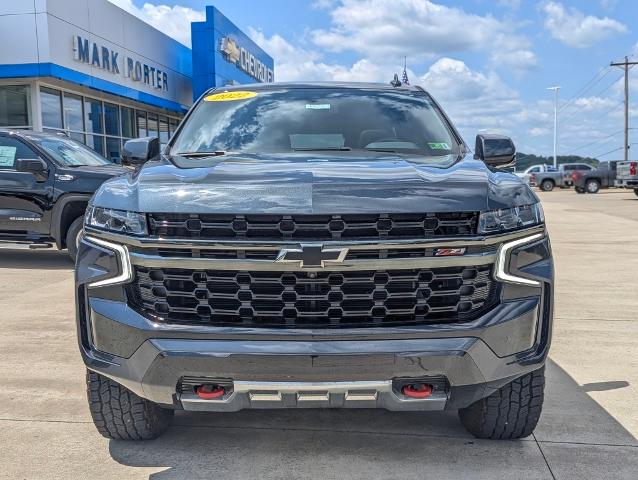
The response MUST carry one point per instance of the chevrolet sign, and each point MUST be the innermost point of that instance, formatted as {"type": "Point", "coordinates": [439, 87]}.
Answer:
{"type": "Point", "coordinates": [245, 61]}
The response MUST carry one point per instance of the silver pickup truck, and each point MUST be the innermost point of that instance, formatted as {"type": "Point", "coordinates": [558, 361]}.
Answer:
{"type": "Point", "coordinates": [627, 176]}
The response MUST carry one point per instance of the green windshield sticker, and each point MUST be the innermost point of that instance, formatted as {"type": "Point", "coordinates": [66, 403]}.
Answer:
{"type": "Point", "coordinates": [318, 106]}
{"type": "Point", "coordinates": [438, 146]}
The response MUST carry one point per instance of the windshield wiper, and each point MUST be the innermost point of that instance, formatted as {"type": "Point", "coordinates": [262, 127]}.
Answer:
{"type": "Point", "coordinates": [324, 149]}
{"type": "Point", "coordinates": [215, 153]}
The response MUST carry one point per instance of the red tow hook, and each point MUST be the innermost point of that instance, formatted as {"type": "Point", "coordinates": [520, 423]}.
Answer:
{"type": "Point", "coordinates": [417, 390]}
{"type": "Point", "coordinates": [209, 392]}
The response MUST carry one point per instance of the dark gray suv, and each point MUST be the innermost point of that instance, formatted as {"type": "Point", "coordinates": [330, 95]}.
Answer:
{"type": "Point", "coordinates": [321, 246]}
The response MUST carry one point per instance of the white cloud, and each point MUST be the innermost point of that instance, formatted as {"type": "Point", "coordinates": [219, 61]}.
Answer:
{"type": "Point", "coordinates": [475, 101]}
{"type": "Point", "coordinates": [592, 104]}
{"type": "Point", "coordinates": [174, 21]}
{"type": "Point", "coordinates": [420, 29]}
{"type": "Point", "coordinates": [574, 28]}
{"type": "Point", "coordinates": [295, 63]}
{"type": "Point", "coordinates": [539, 131]}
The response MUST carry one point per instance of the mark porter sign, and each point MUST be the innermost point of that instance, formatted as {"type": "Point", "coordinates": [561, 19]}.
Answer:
{"type": "Point", "coordinates": [110, 60]}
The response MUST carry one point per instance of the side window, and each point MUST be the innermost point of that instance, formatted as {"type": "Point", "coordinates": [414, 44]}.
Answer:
{"type": "Point", "coordinates": [10, 150]}
{"type": "Point", "coordinates": [584, 167]}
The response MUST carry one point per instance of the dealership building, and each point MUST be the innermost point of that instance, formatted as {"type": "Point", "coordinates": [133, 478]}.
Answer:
{"type": "Point", "coordinates": [103, 76]}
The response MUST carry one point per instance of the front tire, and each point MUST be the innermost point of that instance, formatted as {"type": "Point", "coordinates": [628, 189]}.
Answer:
{"type": "Point", "coordinates": [547, 185]}
{"type": "Point", "coordinates": [636, 191]}
{"type": "Point", "coordinates": [510, 412]}
{"type": "Point", "coordinates": [73, 235]}
{"type": "Point", "coordinates": [592, 186]}
{"type": "Point", "coordinates": [579, 189]}
{"type": "Point", "coordinates": [119, 414]}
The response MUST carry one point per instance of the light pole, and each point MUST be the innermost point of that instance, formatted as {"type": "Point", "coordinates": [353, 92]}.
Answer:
{"type": "Point", "coordinates": [556, 89]}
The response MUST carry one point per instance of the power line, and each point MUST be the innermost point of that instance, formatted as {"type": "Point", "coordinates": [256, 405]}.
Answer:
{"type": "Point", "coordinates": [596, 141]}
{"type": "Point", "coordinates": [607, 153]}
{"type": "Point", "coordinates": [580, 107]}
{"type": "Point", "coordinates": [595, 79]}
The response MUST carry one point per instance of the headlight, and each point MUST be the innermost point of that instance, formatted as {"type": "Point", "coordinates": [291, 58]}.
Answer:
{"type": "Point", "coordinates": [507, 219]}
{"type": "Point", "coordinates": [119, 221]}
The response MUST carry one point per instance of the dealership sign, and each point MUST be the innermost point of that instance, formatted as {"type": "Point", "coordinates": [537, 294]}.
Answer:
{"type": "Point", "coordinates": [110, 60]}
{"type": "Point", "coordinates": [246, 61]}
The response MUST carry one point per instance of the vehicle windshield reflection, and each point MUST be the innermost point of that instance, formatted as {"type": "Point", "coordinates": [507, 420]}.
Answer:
{"type": "Point", "coordinates": [320, 119]}
{"type": "Point", "coordinates": [70, 153]}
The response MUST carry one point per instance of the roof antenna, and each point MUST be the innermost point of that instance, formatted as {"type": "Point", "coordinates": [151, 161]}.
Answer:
{"type": "Point", "coordinates": [395, 81]}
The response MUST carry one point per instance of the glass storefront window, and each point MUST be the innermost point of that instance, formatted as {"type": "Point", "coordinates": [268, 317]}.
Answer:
{"type": "Point", "coordinates": [111, 119]}
{"type": "Point", "coordinates": [152, 126]}
{"type": "Point", "coordinates": [93, 115]}
{"type": "Point", "coordinates": [173, 122]}
{"type": "Point", "coordinates": [14, 106]}
{"type": "Point", "coordinates": [128, 123]}
{"type": "Point", "coordinates": [51, 105]}
{"type": "Point", "coordinates": [103, 126]}
{"type": "Point", "coordinates": [73, 117]}
{"type": "Point", "coordinates": [141, 124]}
{"type": "Point", "coordinates": [96, 143]}
{"type": "Point", "coordinates": [77, 136]}
{"type": "Point", "coordinates": [113, 149]}
{"type": "Point", "coordinates": [163, 130]}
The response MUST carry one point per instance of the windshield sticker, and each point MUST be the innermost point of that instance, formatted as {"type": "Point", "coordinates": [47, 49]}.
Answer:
{"type": "Point", "coordinates": [438, 146]}
{"type": "Point", "coordinates": [229, 96]}
{"type": "Point", "coordinates": [318, 106]}
{"type": "Point", "coordinates": [7, 156]}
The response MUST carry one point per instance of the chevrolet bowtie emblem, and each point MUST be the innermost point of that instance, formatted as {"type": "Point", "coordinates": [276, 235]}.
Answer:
{"type": "Point", "coordinates": [312, 255]}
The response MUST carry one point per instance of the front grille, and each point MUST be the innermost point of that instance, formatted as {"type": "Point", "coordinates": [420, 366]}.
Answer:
{"type": "Point", "coordinates": [314, 299]}
{"type": "Point", "coordinates": [261, 254]}
{"type": "Point", "coordinates": [313, 227]}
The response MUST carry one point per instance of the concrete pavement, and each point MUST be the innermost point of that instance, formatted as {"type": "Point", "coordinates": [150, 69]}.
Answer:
{"type": "Point", "coordinates": [588, 427]}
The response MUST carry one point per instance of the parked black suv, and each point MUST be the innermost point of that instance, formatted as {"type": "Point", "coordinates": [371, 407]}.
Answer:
{"type": "Point", "coordinates": [46, 181]}
{"type": "Point", "coordinates": [316, 245]}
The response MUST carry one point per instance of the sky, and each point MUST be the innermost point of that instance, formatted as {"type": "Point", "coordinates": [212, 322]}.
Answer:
{"type": "Point", "coordinates": [488, 62]}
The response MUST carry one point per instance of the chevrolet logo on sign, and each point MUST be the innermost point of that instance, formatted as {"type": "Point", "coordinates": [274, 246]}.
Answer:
{"type": "Point", "coordinates": [312, 255]}
{"type": "Point", "coordinates": [245, 61]}
{"type": "Point", "coordinates": [230, 50]}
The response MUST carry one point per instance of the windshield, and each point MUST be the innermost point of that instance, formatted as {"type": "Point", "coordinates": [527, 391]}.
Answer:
{"type": "Point", "coordinates": [70, 153]}
{"type": "Point", "coordinates": [310, 119]}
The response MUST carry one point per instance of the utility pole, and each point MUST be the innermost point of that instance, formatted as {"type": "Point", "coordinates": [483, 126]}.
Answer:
{"type": "Point", "coordinates": [556, 89]}
{"type": "Point", "coordinates": [626, 65]}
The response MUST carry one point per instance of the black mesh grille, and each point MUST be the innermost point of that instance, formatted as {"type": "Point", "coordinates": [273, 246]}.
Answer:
{"type": "Point", "coordinates": [314, 299]}
{"type": "Point", "coordinates": [313, 227]}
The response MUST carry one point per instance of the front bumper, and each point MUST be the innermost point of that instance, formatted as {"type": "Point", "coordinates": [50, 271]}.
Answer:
{"type": "Point", "coordinates": [626, 183]}
{"type": "Point", "coordinates": [356, 367]}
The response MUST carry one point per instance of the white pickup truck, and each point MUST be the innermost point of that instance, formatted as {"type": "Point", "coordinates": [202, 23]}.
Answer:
{"type": "Point", "coordinates": [627, 175]}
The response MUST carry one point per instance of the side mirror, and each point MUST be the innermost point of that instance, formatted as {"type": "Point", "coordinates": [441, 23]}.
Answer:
{"type": "Point", "coordinates": [495, 150]}
{"type": "Point", "coordinates": [140, 150]}
{"type": "Point", "coordinates": [36, 166]}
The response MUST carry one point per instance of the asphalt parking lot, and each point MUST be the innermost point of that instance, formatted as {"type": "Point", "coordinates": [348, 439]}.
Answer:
{"type": "Point", "coordinates": [588, 429]}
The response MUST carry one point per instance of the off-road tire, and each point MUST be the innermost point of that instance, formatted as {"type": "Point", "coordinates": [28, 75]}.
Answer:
{"type": "Point", "coordinates": [510, 412]}
{"type": "Point", "coordinates": [72, 235]}
{"type": "Point", "coordinates": [579, 189]}
{"type": "Point", "coordinates": [636, 191]}
{"type": "Point", "coordinates": [119, 414]}
{"type": "Point", "coordinates": [547, 185]}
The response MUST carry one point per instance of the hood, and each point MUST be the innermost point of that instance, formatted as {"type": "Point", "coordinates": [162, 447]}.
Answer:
{"type": "Point", "coordinates": [103, 171]}
{"type": "Point", "coordinates": [317, 183]}
{"type": "Point", "coordinates": [86, 179]}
